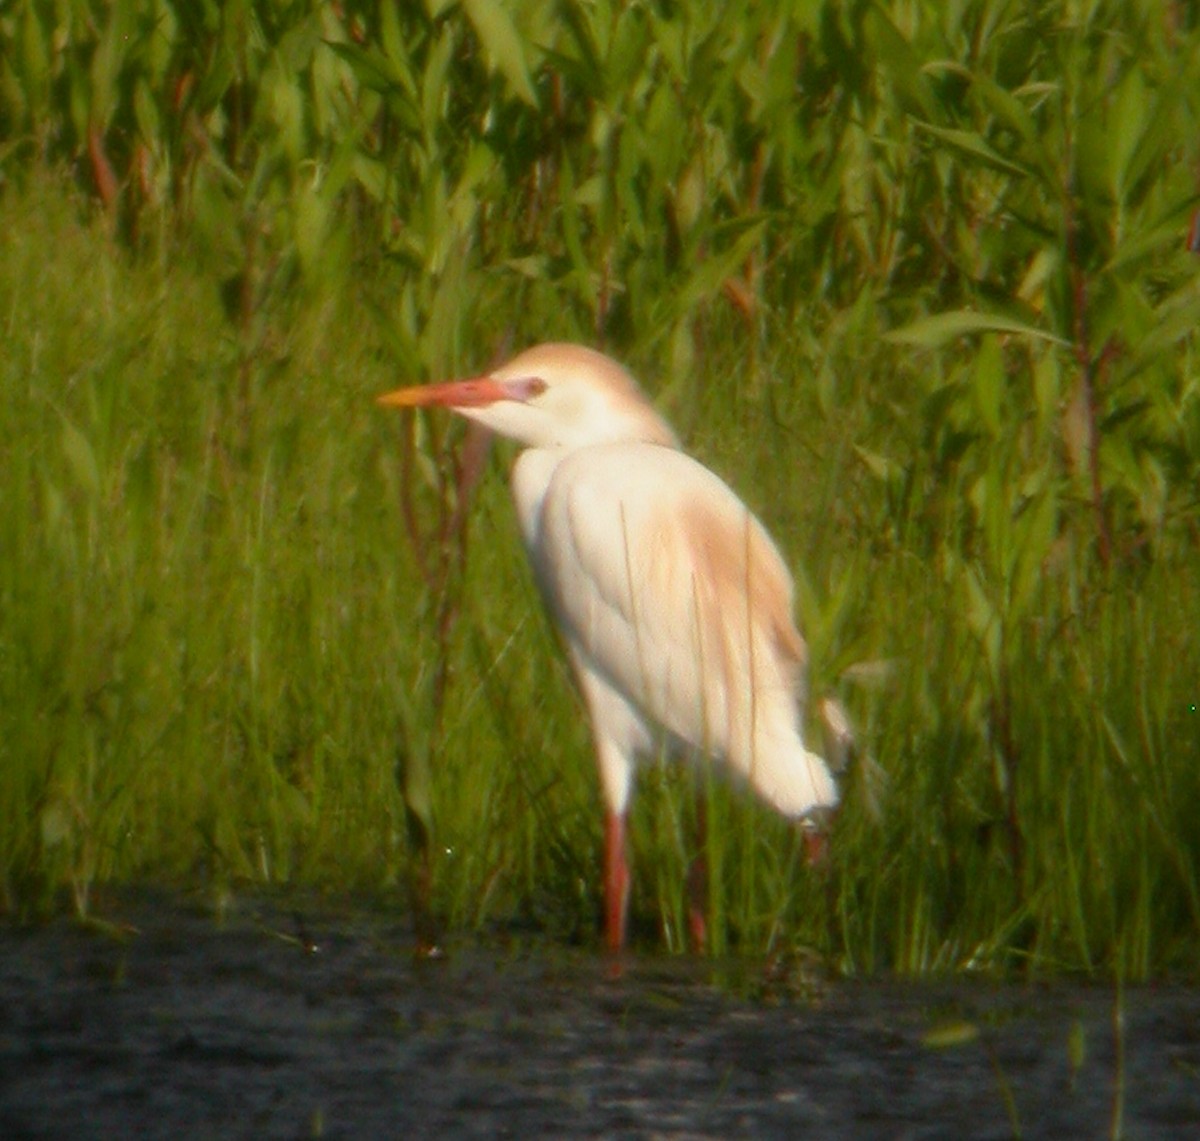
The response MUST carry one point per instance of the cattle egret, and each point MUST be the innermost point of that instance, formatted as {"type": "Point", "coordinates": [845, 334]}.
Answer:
{"type": "Point", "coordinates": [674, 603]}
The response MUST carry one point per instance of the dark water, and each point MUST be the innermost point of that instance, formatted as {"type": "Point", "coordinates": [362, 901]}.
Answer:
{"type": "Point", "coordinates": [269, 1026]}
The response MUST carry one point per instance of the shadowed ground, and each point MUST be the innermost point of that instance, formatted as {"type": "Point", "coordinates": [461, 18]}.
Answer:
{"type": "Point", "coordinates": [275, 1025]}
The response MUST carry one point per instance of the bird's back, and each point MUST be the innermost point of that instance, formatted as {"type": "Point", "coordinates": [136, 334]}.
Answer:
{"type": "Point", "coordinates": [666, 585]}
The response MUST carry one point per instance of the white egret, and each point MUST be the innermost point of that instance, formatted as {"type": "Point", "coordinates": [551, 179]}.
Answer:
{"type": "Point", "coordinates": [674, 603]}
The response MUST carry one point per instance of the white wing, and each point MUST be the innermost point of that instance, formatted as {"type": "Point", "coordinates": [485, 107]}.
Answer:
{"type": "Point", "coordinates": [672, 595]}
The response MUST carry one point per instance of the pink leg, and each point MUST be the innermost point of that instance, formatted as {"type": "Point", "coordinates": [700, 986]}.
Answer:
{"type": "Point", "coordinates": [616, 881]}
{"type": "Point", "coordinates": [816, 846]}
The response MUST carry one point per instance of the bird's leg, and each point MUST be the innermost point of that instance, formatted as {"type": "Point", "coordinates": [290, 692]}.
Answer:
{"type": "Point", "coordinates": [697, 879]}
{"type": "Point", "coordinates": [814, 831]}
{"type": "Point", "coordinates": [816, 847]}
{"type": "Point", "coordinates": [616, 881]}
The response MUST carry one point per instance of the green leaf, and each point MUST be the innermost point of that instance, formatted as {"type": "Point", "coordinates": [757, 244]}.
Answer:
{"type": "Point", "coordinates": [931, 332]}
{"type": "Point", "coordinates": [1140, 245]}
{"type": "Point", "coordinates": [987, 382]}
{"type": "Point", "coordinates": [715, 270]}
{"type": "Point", "coordinates": [973, 144]}
{"type": "Point", "coordinates": [1125, 126]}
{"type": "Point", "coordinates": [1160, 139]}
{"type": "Point", "coordinates": [81, 458]}
{"type": "Point", "coordinates": [285, 104]}
{"type": "Point", "coordinates": [109, 62]}
{"type": "Point", "coordinates": [1037, 529]}
{"type": "Point", "coordinates": [34, 57]}
{"type": "Point", "coordinates": [503, 43]}
{"type": "Point", "coordinates": [1006, 107]}
{"type": "Point", "coordinates": [883, 469]}
{"type": "Point", "coordinates": [146, 113]}
{"type": "Point", "coordinates": [575, 16]}
{"type": "Point", "coordinates": [897, 58]}
{"type": "Point", "coordinates": [1175, 319]}
{"type": "Point", "coordinates": [947, 1035]}
{"type": "Point", "coordinates": [311, 208]}
{"type": "Point", "coordinates": [572, 232]}
{"type": "Point", "coordinates": [393, 40]}
{"type": "Point", "coordinates": [1047, 388]}
{"type": "Point", "coordinates": [982, 617]}
{"type": "Point", "coordinates": [373, 69]}
{"type": "Point", "coordinates": [54, 506]}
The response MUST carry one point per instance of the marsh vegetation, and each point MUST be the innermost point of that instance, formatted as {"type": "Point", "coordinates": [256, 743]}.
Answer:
{"type": "Point", "coordinates": [920, 281]}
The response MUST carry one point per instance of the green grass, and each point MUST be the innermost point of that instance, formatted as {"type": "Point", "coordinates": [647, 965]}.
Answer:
{"type": "Point", "coordinates": [214, 637]}
{"type": "Point", "coordinates": [916, 281]}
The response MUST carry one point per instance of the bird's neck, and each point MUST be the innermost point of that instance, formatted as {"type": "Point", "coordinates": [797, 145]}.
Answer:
{"type": "Point", "coordinates": [531, 475]}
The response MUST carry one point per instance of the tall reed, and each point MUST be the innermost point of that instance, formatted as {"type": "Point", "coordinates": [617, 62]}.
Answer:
{"type": "Point", "coordinates": [924, 291]}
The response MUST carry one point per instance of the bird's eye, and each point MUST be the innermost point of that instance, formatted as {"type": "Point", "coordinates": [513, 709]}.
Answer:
{"type": "Point", "coordinates": [525, 388]}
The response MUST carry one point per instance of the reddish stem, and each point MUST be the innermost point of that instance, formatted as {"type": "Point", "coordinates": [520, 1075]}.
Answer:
{"type": "Point", "coordinates": [1085, 360]}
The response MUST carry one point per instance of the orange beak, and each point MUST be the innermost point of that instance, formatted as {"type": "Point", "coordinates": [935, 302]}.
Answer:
{"type": "Point", "coordinates": [477, 392]}
{"type": "Point", "coordinates": [474, 393]}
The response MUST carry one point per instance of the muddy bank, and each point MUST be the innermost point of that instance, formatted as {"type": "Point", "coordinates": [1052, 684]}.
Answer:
{"type": "Point", "coordinates": [273, 1025]}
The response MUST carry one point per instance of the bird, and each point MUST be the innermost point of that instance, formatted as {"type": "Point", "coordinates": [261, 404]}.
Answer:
{"type": "Point", "coordinates": [674, 604]}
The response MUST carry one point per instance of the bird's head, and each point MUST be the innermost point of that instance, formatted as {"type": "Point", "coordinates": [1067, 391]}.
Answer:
{"type": "Point", "coordinates": [553, 395]}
